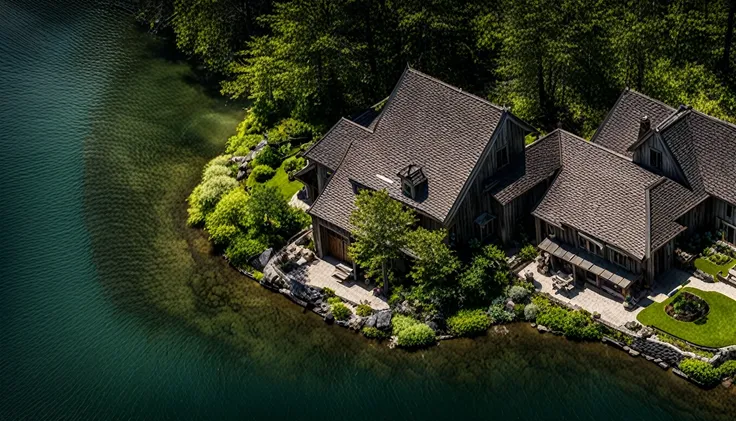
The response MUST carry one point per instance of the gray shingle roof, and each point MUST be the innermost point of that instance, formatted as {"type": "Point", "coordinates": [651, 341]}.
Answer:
{"type": "Point", "coordinates": [542, 159]}
{"type": "Point", "coordinates": [330, 150]}
{"type": "Point", "coordinates": [669, 200]}
{"type": "Point", "coordinates": [425, 123]}
{"type": "Point", "coordinates": [600, 193]}
{"type": "Point", "coordinates": [620, 129]}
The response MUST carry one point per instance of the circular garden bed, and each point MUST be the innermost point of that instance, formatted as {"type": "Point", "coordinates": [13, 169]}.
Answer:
{"type": "Point", "coordinates": [687, 307]}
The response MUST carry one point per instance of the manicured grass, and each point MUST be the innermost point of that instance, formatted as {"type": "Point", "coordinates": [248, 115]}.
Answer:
{"type": "Point", "coordinates": [281, 181]}
{"type": "Point", "coordinates": [711, 268]}
{"type": "Point", "coordinates": [716, 329]}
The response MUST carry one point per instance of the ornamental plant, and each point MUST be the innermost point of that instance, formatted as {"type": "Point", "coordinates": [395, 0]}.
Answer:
{"type": "Point", "coordinates": [700, 371]}
{"type": "Point", "coordinates": [417, 335]}
{"type": "Point", "coordinates": [340, 311]}
{"type": "Point", "coordinates": [469, 323]}
{"type": "Point", "coordinates": [363, 310]}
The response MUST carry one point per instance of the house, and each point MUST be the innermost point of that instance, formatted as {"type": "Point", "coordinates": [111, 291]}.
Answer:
{"type": "Point", "coordinates": [457, 160]}
{"type": "Point", "coordinates": [650, 174]}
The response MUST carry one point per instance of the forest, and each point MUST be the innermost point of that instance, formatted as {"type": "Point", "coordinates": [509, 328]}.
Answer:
{"type": "Point", "coordinates": [552, 62]}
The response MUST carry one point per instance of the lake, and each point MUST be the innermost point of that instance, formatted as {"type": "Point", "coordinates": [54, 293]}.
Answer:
{"type": "Point", "coordinates": [109, 305]}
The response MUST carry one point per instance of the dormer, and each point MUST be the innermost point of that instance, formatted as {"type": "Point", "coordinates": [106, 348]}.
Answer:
{"type": "Point", "coordinates": [652, 152]}
{"type": "Point", "coordinates": [413, 182]}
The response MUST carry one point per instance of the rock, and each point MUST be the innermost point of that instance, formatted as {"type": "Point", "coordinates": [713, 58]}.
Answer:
{"type": "Point", "coordinates": [329, 318]}
{"type": "Point", "coordinates": [534, 325]}
{"type": "Point", "coordinates": [646, 332]}
{"type": "Point", "coordinates": [383, 319]}
{"type": "Point", "coordinates": [632, 325]}
{"type": "Point", "coordinates": [542, 329]}
{"type": "Point", "coordinates": [663, 365]}
{"type": "Point", "coordinates": [657, 360]}
{"type": "Point", "coordinates": [261, 261]}
{"type": "Point", "coordinates": [405, 308]}
{"type": "Point", "coordinates": [727, 383]}
{"type": "Point", "coordinates": [242, 174]}
{"type": "Point", "coordinates": [500, 330]}
{"type": "Point", "coordinates": [433, 326]}
{"type": "Point", "coordinates": [510, 305]}
{"type": "Point", "coordinates": [356, 322]}
{"type": "Point", "coordinates": [342, 323]}
{"type": "Point", "coordinates": [649, 357]}
{"type": "Point", "coordinates": [596, 315]}
{"type": "Point", "coordinates": [633, 353]}
{"type": "Point", "coordinates": [238, 159]}
{"type": "Point", "coordinates": [371, 321]}
{"type": "Point", "coordinates": [627, 349]}
{"type": "Point", "coordinates": [301, 262]}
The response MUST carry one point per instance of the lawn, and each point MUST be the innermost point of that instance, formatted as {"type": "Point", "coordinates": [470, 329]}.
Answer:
{"type": "Point", "coordinates": [716, 329]}
{"type": "Point", "coordinates": [711, 268]}
{"type": "Point", "coordinates": [281, 181]}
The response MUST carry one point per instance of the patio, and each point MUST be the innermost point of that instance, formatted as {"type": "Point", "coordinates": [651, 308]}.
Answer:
{"type": "Point", "coordinates": [319, 274]}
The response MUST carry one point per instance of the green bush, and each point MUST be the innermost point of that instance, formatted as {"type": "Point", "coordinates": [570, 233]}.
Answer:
{"type": "Point", "coordinates": [528, 252]}
{"type": "Point", "coordinates": [519, 311]}
{"type": "Point", "coordinates": [416, 335]}
{"type": "Point", "coordinates": [291, 129]}
{"type": "Point", "coordinates": [518, 293]}
{"type": "Point", "coordinates": [270, 157]}
{"type": "Point", "coordinates": [242, 248]}
{"type": "Point", "coordinates": [531, 311]}
{"type": "Point", "coordinates": [340, 311]}
{"type": "Point", "coordinates": [260, 174]}
{"type": "Point", "coordinates": [329, 292]}
{"type": "Point", "coordinates": [242, 145]}
{"type": "Point", "coordinates": [214, 171]}
{"type": "Point", "coordinates": [205, 196]}
{"type": "Point", "coordinates": [334, 300]}
{"type": "Point", "coordinates": [469, 323]}
{"type": "Point", "coordinates": [700, 371]}
{"type": "Point", "coordinates": [574, 324]}
{"type": "Point", "coordinates": [229, 217]}
{"type": "Point", "coordinates": [294, 164]}
{"type": "Point", "coordinates": [399, 322]}
{"type": "Point", "coordinates": [374, 333]}
{"type": "Point", "coordinates": [257, 275]}
{"type": "Point", "coordinates": [498, 314]}
{"type": "Point", "coordinates": [363, 310]}
{"type": "Point", "coordinates": [485, 277]}
{"type": "Point", "coordinates": [727, 369]}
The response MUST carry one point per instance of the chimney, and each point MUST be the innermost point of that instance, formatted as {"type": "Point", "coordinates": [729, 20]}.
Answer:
{"type": "Point", "coordinates": [644, 126]}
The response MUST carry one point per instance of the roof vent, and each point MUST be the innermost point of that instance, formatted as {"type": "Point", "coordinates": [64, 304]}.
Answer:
{"type": "Point", "coordinates": [413, 181]}
{"type": "Point", "coordinates": [644, 125]}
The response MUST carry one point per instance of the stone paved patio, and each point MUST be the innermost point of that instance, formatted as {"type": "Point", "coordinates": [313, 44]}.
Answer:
{"type": "Point", "coordinates": [611, 308]}
{"type": "Point", "coordinates": [319, 274]}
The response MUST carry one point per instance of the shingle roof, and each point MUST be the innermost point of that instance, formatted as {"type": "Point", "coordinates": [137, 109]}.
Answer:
{"type": "Point", "coordinates": [330, 150]}
{"type": "Point", "coordinates": [542, 159]}
{"type": "Point", "coordinates": [425, 123]}
{"type": "Point", "coordinates": [620, 129]}
{"type": "Point", "coordinates": [669, 200]}
{"type": "Point", "coordinates": [600, 193]}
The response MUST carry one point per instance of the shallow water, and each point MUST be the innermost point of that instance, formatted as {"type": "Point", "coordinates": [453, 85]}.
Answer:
{"type": "Point", "coordinates": [103, 133]}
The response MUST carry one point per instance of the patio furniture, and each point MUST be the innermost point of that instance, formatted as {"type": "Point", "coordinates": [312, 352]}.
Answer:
{"type": "Point", "coordinates": [342, 272]}
{"type": "Point", "coordinates": [564, 281]}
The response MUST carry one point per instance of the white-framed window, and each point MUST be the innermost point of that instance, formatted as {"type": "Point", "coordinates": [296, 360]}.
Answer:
{"type": "Point", "coordinates": [502, 157]}
{"type": "Point", "coordinates": [590, 245]}
{"type": "Point", "coordinates": [655, 158]}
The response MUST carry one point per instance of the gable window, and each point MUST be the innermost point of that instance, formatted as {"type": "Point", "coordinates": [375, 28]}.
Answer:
{"type": "Point", "coordinates": [729, 211]}
{"type": "Point", "coordinates": [591, 245]}
{"type": "Point", "coordinates": [502, 157]}
{"type": "Point", "coordinates": [413, 182]}
{"type": "Point", "coordinates": [655, 158]}
{"type": "Point", "coordinates": [407, 189]}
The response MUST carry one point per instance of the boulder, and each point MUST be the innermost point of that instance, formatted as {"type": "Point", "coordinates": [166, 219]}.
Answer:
{"type": "Point", "coordinates": [510, 305]}
{"type": "Point", "coordinates": [542, 329]}
{"type": "Point", "coordinates": [663, 365]}
{"type": "Point", "coordinates": [646, 332]}
{"type": "Point", "coordinates": [342, 323]}
{"type": "Point", "coordinates": [433, 326]}
{"type": "Point", "coordinates": [383, 319]}
{"type": "Point", "coordinates": [632, 325]}
{"type": "Point", "coordinates": [270, 277]}
{"type": "Point", "coordinates": [356, 322]}
{"type": "Point", "coordinates": [301, 262]}
{"type": "Point", "coordinates": [633, 353]}
{"type": "Point", "coordinates": [329, 318]}
{"type": "Point", "coordinates": [242, 174]}
{"type": "Point", "coordinates": [261, 261]}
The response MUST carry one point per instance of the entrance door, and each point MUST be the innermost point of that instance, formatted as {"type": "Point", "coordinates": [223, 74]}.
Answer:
{"type": "Point", "coordinates": [337, 247]}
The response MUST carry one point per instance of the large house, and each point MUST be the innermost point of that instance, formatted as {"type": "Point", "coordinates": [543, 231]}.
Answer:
{"type": "Point", "coordinates": [607, 211]}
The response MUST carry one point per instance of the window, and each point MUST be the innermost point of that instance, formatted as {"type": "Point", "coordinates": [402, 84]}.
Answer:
{"type": "Point", "coordinates": [729, 211]}
{"type": "Point", "coordinates": [502, 157]}
{"type": "Point", "coordinates": [407, 189]}
{"type": "Point", "coordinates": [655, 158]}
{"type": "Point", "coordinates": [590, 245]}
{"type": "Point", "coordinates": [619, 258]}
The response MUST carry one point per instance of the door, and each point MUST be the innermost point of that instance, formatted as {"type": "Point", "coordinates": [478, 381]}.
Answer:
{"type": "Point", "coordinates": [337, 247]}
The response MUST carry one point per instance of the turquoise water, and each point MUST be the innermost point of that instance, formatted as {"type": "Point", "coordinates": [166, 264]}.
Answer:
{"type": "Point", "coordinates": [109, 309]}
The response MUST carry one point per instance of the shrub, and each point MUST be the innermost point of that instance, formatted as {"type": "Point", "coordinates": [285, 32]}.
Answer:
{"type": "Point", "coordinates": [374, 333]}
{"type": "Point", "coordinates": [574, 324]}
{"type": "Point", "coordinates": [416, 335]}
{"type": "Point", "coordinates": [329, 292]}
{"type": "Point", "coordinates": [469, 323]}
{"type": "Point", "coordinates": [518, 294]}
{"type": "Point", "coordinates": [242, 248]}
{"type": "Point", "coordinates": [727, 369]}
{"type": "Point", "coordinates": [334, 300]}
{"type": "Point", "coordinates": [399, 322]}
{"type": "Point", "coordinates": [700, 371]}
{"type": "Point", "coordinates": [291, 129]}
{"type": "Point", "coordinates": [260, 174]}
{"type": "Point", "coordinates": [294, 164]}
{"type": "Point", "coordinates": [213, 189]}
{"type": "Point", "coordinates": [553, 318]}
{"type": "Point", "coordinates": [528, 252]}
{"type": "Point", "coordinates": [519, 311]}
{"type": "Point", "coordinates": [498, 314]}
{"type": "Point", "coordinates": [340, 311]}
{"type": "Point", "coordinates": [363, 310]}
{"type": "Point", "coordinates": [531, 311]}
{"type": "Point", "coordinates": [257, 275]}
{"type": "Point", "coordinates": [269, 156]}
{"type": "Point", "coordinates": [229, 218]}
{"type": "Point", "coordinates": [242, 145]}
{"type": "Point", "coordinates": [541, 302]}
{"type": "Point", "coordinates": [214, 171]}
{"type": "Point", "coordinates": [485, 277]}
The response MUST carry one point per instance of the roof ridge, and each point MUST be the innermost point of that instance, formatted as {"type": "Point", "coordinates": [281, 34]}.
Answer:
{"type": "Point", "coordinates": [603, 148]}
{"type": "Point", "coordinates": [649, 98]}
{"type": "Point", "coordinates": [356, 125]}
{"type": "Point", "coordinates": [455, 88]}
{"type": "Point", "coordinates": [716, 119]}
{"type": "Point", "coordinates": [543, 138]}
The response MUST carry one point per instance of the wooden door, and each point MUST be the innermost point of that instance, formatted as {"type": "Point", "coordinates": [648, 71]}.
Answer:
{"type": "Point", "coordinates": [337, 247]}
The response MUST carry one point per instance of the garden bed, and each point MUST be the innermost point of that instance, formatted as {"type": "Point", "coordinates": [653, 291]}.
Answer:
{"type": "Point", "coordinates": [712, 268]}
{"type": "Point", "coordinates": [687, 307]}
{"type": "Point", "coordinates": [714, 329]}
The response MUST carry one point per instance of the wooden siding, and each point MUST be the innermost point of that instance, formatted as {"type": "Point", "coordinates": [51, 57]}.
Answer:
{"type": "Point", "coordinates": [720, 208]}
{"type": "Point", "coordinates": [669, 164]}
{"type": "Point", "coordinates": [323, 176]}
{"type": "Point", "coordinates": [320, 241]}
{"type": "Point", "coordinates": [516, 215]}
{"type": "Point", "coordinates": [662, 260]}
{"type": "Point", "coordinates": [698, 219]}
{"type": "Point", "coordinates": [477, 201]}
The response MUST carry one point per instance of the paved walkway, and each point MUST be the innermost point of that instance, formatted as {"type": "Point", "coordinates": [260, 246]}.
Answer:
{"type": "Point", "coordinates": [611, 309]}
{"type": "Point", "coordinates": [299, 200]}
{"type": "Point", "coordinates": [319, 274]}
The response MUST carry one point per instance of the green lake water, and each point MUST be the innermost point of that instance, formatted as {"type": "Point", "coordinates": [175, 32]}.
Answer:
{"type": "Point", "coordinates": [106, 297]}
